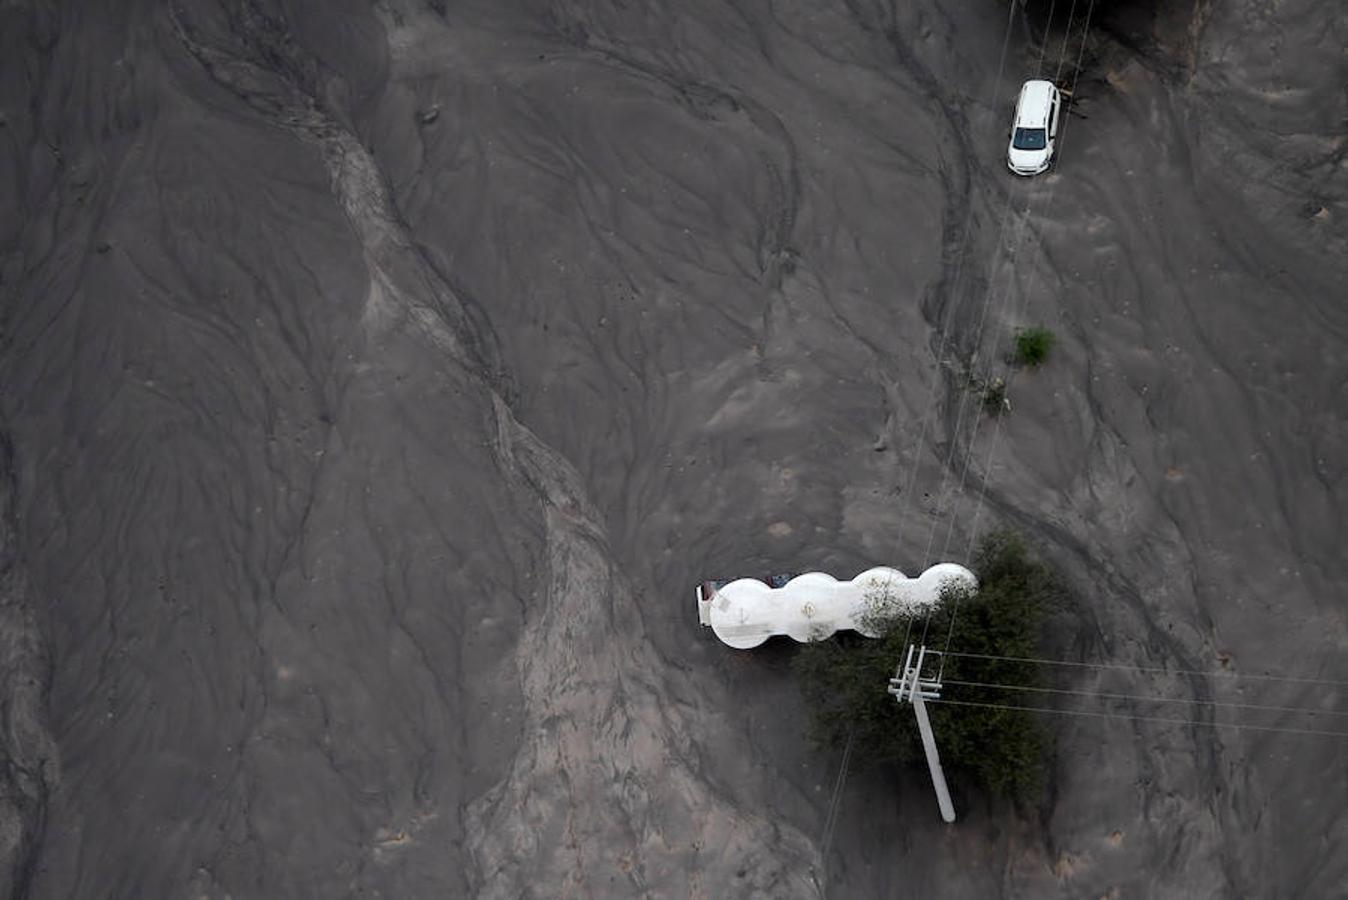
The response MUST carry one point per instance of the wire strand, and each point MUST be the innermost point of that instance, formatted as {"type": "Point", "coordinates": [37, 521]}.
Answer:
{"type": "Point", "coordinates": [1048, 201]}
{"type": "Point", "coordinates": [969, 456]}
{"type": "Point", "coordinates": [831, 821]}
{"type": "Point", "coordinates": [1043, 46]}
{"type": "Point", "coordinates": [1009, 378]}
{"type": "Point", "coordinates": [1169, 719]}
{"type": "Point", "coordinates": [949, 312]}
{"type": "Point", "coordinates": [1152, 698]}
{"type": "Point", "coordinates": [1011, 196]}
{"type": "Point", "coordinates": [1291, 679]}
{"type": "Point", "coordinates": [1062, 54]}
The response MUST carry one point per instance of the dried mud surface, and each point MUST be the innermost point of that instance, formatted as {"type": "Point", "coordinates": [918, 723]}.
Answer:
{"type": "Point", "coordinates": [379, 378]}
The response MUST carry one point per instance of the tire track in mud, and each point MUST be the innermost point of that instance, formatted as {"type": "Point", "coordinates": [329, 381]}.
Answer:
{"type": "Point", "coordinates": [609, 779]}
{"type": "Point", "coordinates": [32, 765]}
{"type": "Point", "coordinates": [777, 258]}
{"type": "Point", "coordinates": [32, 768]}
{"type": "Point", "coordinates": [946, 304]}
{"type": "Point", "coordinates": [957, 177]}
{"type": "Point", "coordinates": [1095, 637]}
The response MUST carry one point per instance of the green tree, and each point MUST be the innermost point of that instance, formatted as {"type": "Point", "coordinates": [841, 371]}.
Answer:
{"type": "Point", "coordinates": [844, 678]}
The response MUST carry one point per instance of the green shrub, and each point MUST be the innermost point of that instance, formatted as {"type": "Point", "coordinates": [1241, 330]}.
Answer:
{"type": "Point", "coordinates": [1033, 345]}
{"type": "Point", "coordinates": [845, 678]}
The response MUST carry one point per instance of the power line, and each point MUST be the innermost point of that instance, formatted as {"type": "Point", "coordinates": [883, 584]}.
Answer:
{"type": "Point", "coordinates": [1169, 719]}
{"type": "Point", "coordinates": [1019, 235]}
{"type": "Point", "coordinates": [950, 464]}
{"type": "Point", "coordinates": [1293, 679]}
{"type": "Point", "coordinates": [831, 820]}
{"type": "Point", "coordinates": [1062, 54]}
{"type": "Point", "coordinates": [1039, 67]}
{"type": "Point", "coordinates": [1052, 190]}
{"type": "Point", "coordinates": [964, 240]}
{"type": "Point", "coordinates": [1152, 698]}
{"type": "Point", "coordinates": [997, 429]}
{"type": "Point", "coordinates": [950, 309]}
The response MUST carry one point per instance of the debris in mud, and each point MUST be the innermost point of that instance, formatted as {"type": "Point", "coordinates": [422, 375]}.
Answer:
{"type": "Point", "coordinates": [995, 400]}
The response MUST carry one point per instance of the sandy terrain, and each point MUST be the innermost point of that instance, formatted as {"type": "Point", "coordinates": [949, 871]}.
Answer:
{"type": "Point", "coordinates": [378, 379]}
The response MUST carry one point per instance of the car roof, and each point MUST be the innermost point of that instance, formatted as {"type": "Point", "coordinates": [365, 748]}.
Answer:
{"type": "Point", "coordinates": [1033, 107]}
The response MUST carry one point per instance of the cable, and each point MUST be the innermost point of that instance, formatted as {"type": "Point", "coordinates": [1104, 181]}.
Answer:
{"type": "Point", "coordinates": [831, 820]}
{"type": "Point", "coordinates": [1010, 376]}
{"type": "Point", "coordinates": [1015, 251]}
{"type": "Point", "coordinates": [954, 286]}
{"type": "Point", "coordinates": [1043, 48]}
{"type": "Point", "coordinates": [1062, 57]}
{"type": "Point", "coordinates": [908, 631]}
{"type": "Point", "coordinates": [987, 469]}
{"type": "Point", "coordinates": [1062, 54]}
{"type": "Point", "coordinates": [950, 463]}
{"type": "Point", "coordinates": [1152, 698]}
{"type": "Point", "coordinates": [1014, 254]}
{"type": "Point", "coordinates": [1292, 679]}
{"type": "Point", "coordinates": [955, 283]}
{"type": "Point", "coordinates": [1172, 720]}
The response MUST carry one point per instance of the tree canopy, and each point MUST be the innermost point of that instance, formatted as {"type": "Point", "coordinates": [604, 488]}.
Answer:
{"type": "Point", "coordinates": [845, 677]}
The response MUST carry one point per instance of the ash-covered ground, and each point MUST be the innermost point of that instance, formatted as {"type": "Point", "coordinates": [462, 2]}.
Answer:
{"type": "Point", "coordinates": [379, 378]}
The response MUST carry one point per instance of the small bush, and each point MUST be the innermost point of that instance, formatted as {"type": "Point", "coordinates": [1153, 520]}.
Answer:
{"type": "Point", "coordinates": [844, 678]}
{"type": "Point", "coordinates": [1033, 345]}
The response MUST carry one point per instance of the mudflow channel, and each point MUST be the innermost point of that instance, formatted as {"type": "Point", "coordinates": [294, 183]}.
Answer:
{"type": "Point", "coordinates": [378, 379]}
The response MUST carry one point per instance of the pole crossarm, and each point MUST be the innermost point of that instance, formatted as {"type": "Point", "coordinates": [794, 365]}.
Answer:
{"type": "Point", "coordinates": [908, 678]}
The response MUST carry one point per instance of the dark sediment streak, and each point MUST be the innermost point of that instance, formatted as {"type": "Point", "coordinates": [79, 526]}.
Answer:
{"type": "Point", "coordinates": [32, 766]}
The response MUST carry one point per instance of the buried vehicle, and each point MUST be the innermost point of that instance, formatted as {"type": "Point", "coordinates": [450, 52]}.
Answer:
{"type": "Point", "coordinates": [1034, 130]}
{"type": "Point", "coordinates": [745, 612]}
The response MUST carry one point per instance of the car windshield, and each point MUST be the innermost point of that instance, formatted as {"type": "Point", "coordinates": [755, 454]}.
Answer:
{"type": "Point", "coordinates": [1030, 139]}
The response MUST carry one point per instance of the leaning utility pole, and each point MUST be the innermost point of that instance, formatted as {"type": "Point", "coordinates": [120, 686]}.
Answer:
{"type": "Point", "coordinates": [908, 684]}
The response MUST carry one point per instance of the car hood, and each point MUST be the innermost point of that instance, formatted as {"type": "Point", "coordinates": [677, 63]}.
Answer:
{"type": "Point", "coordinates": [1026, 159]}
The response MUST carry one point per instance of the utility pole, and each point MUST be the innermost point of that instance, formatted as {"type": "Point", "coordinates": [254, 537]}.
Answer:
{"type": "Point", "coordinates": [909, 685]}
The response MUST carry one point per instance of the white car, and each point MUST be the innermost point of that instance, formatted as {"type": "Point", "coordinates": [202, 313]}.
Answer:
{"type": "Point", "coordinates": [1035, 128]}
